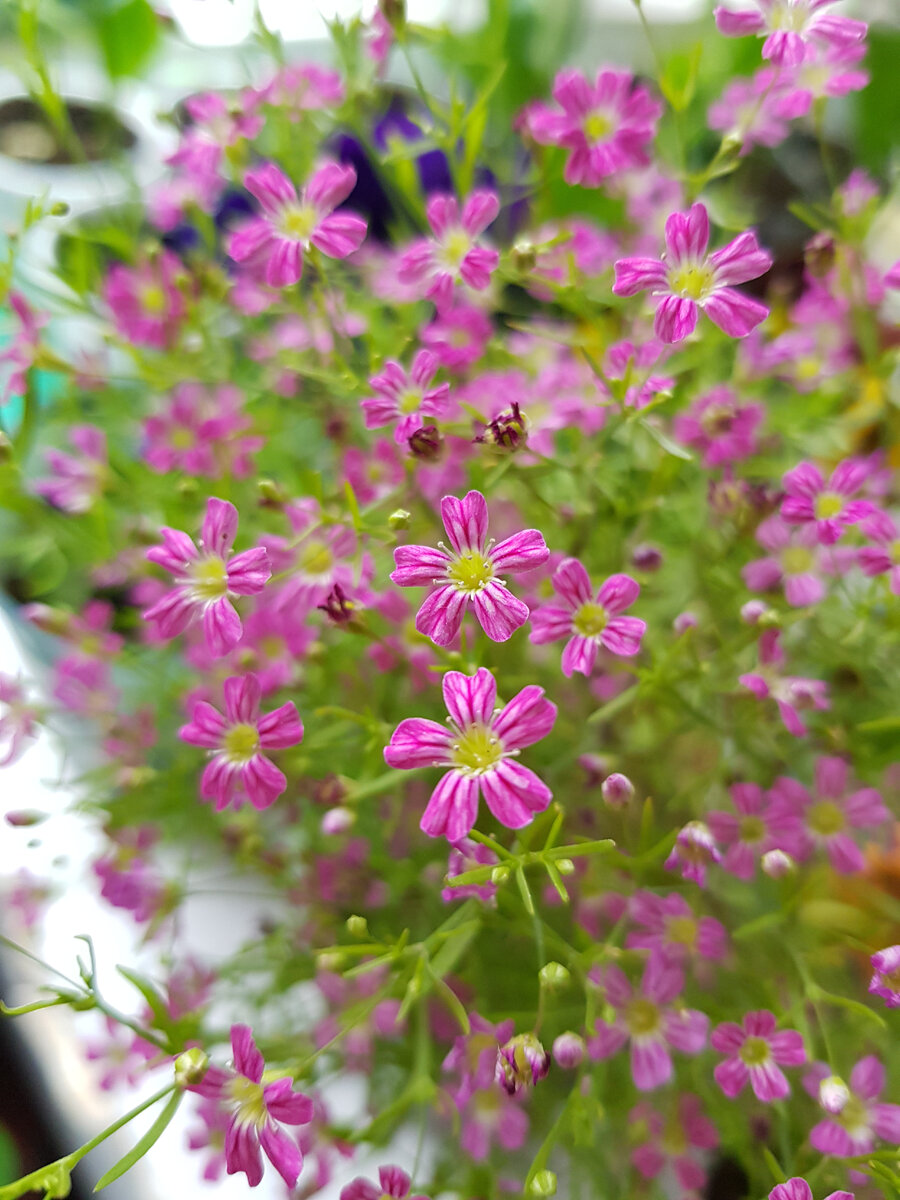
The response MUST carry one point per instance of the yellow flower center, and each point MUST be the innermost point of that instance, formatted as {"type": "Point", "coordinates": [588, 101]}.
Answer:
{"type": "Point", "coordinates": [249, 1101]}
{"type": "Point", "coordinates": [298, 222]}
{"type": "Point", "coordinates": [209, 577]}
{"type": "Point", "coordinates": [477, 751]}
{"type": "Point", "coordinates": [642, 1017]}
{"type": "Point", "coordinates": [597, 126]}
{"type": "Point", "coordinates": [751, 829]}
{"type": "Point", "coordinates": [241, 743]}
{"type": "Point", "coordinates": [316, 558]}
{"type": "Point", "coordinates": [894, 552]}
{"type": "Point", "coordinates": [674, 1141]}
{"type": "Point", "coordinates": [797, 559]}
{"type": "Point", "coordinates": [788, 17]}
{"type": "Point", "coordinates": [828, 505]}
{"type": "Point", "coordinates": [153, 298]}
{"type": "Point", "coordinates": [471, 572]}
{"type": "Point", "coordinates": [456, 246]}
{"type": "Point", "coordinates": [682, 930]}
{"type": "Point", "coordinates": [754, 1052]}
{"type": "Point", "coordinates": [590, 620]}
{"type": "Point", "coordinates": [693, 283]}
{"type": "Point", "coordinates": [409, 401]}
{"type": "Point", "coordinates": [717, 419]}
{"type": "Point", "coordinates": [182, 439]}
{"type": "Point", "coordinates": [826, 818]}
{"type": "Point", "coordinates": [854, 1116]}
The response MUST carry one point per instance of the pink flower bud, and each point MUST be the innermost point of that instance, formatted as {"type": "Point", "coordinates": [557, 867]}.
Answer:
{"type": "Point", "coordinates": [568, 1050]}
{"type": "Point", "coordinates": [617, 790]}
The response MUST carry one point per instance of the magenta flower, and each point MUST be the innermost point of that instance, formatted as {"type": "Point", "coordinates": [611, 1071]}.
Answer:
{"type": "Point", "coordinates": [77, 480]}
{"type": "Point", "coordinates": [853, 1125]}
{"type": "Point", "coordinates": [827, 818]}
{"type": "Point", "coordinates": [19, 723]}
{"type": "Point", "coordinates": [719, 427]}
{"type": "Point", "coordinates": [588, 621]}
{"type": "Point", "coordinates": [406, 399]}
{"type": "Point", "coordinates": [649, 1021]}
{"type": "Point", "coordinates": [789, 26]}
{"type": "Point", "coordinates": [827, 506]}
{"type": "Point", "coordinates": [201, 431]}
{"type": "Point", "coordinates": [689, 279]}
{"type": "Point", "coordinates": [674, 1140]}
{"type": "Point", "coordinates": [607, 126]}
{"type": "Point", "coordinates": [206, 578]}
{"type": "Point", "coordinates": [467, 855]}
{"type": "Point", "coordinates": [755, 1054]}
{"type": "Point", "coordinates": [257, 1112]}
{"type": "Point", "coordinates": [238, 767]}
{"type": "Point", "coordinates": [790, 692]}
{"type": "Point", "coordinates": [453, 255]}
{"type": "Point", "coordinates": [795, 559]}
{"type": "Point", "coordinates": [885, 981]}
{"type": "Point", "coordinates": [458, 336]}
{"type": "Point", "coordinates": [289, 224]}
{"type": "Point", "coordinates": [671, 929]}
{"type": "Point", "coordinates": [393, 1184]}
{"type": "Point", "coordinates": [755, 111]}
{"type": "Point", "coordinates": [754, 831]}
{"type": "Point", "coordinates": [468, 572]}
{"type": "Point", "coordinates": [694, 850]}
{"type": "Point", "coordinates": [799, 1189]}
{"type": "Point", "coordinates": [146, 301]}
{"type": "Point", "coordinates": [481, 748]}
{"type": "Point", "coordinates": [22, 352]}
{"type": "Point", "coordinates": [883, 556]}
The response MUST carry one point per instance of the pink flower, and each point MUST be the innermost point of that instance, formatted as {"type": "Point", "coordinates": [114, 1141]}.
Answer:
{"type": "Point", "coordinates": [689, 278]}
{"type": "Point", "coordinates": [452, 256]}
{"type": "Point", "coordinates": [860, 1118]}
{"type": "Point", "coordinates": [826, 818]}
{"type": "Point", "coordinates": [77, 479]}
{"type": "Point", "coordinates": [632, 365]}
{"type": "Point", "coordinates": [755, 111]}
{"type": "Point", "coordinates": [392, 1183]}
{"type": "Point", "coordinates": [649, 1020]}
{"type": "Point", "coordinates": [467, 855]}
{"type": "Point", "coordinates": [671, 930]}
{"type": "Point", "coordinates": [458, 336]}
{"type": "Point", "coordinates": [754, 831]}
{"type": "Point", "coordinates": [607, 126]}
{"type": "Point", "coordinates": [789, 26]}
{"type": "Point", "coordinates": [18, 724]}
{"type": "Point", "coordinates": [256, 1112]}
{"type": "Point", "coordinates": [128, 878]}
{"type": "Point", "coordinates": [695, 848]}
{"type": "Point", "coordinates": [206, 577]}
{"type": "Point", "coordinates": [799, 1189]}
{"type": "Point", "coordinates": [468, 572]}
{"type": "Point", "coordinates": [238, 768]}
{"type": "Point", "coordinates": [23, 350]}
{"type": "Point", "coordinates": [289, 224]}
{"type": "Point", "coordinates": [885, 981]}
{"type": "Point", "coordinates": [146, 301]}
{"type": "Point", "coordinates": [406, 399]}
{"type": "Point", "coordinates": [882, 558]}
{"type": "Point", "coordinates": [827, 506]}
{"type": "Point", "coordinates": [486, 1112]}
{"type": "Point", "coordinates": [755, 1053]}
{"type": "Point", "coordinates": [201, 432]}
{"type": "Point", "coordinates": [301, 87]}
{"type": "Point", "coordinates": [790, 692]}
{"type": "Point", "coordinates": [826, 72]}
{"type": "Point", "coordinates": [796, 560]}
{"type": "Point", "coordinates": [481, 749]}
{"type": "Point", "coordinates": [673, 1141]}
{"type": "Point", "coordinates": [588, 621]}
{"type": "Point", "coordinates": [721, 428]}
{"type": "Point", "coordinates": [211, 1137]}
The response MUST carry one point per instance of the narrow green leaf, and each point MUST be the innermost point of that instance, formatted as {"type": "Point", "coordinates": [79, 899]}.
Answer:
{"type": "Point", "coordinates": [525, 891]}
{"type": "Point", "coordinates": [773, 1164]}
{"type": "Point", "coordinates": [150, 1138]}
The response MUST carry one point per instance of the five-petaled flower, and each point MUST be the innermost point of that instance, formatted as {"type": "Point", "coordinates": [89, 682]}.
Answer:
{"type": "Point", "coordinates": [828, 507]}
{"type": "Point", "coordinates": [480, 748]}
{"type": "Point", "coordinates": [406, 399]}
{"type": "Point", "coordinates": [290, 224]}
{"type": "Point", "coordinates": [755, 1055]}
{"type": "Point", "coordinates": [789, 27]}
{"type": "Point", "coordinates": [453, 255]}
{"type": "Point", "coordinates": [589, 621]}
{"type": "Point", "coordinates": [206, 578]}
{"type": "Point", "coordinates": [467, 572]}
{"type": "Point", "coordinates": [239, 768]}
{"type": "Point", "coordinates": [689, 278]}
{"type": "Point", "coordinates": [257, 1111]}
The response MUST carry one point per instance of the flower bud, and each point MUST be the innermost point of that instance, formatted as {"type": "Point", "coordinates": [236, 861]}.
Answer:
{"type": "Point", "coordinates": [617, 790]}
{"type": "Point", "coordinates": [357, 926]}
{"type": "Point", "coordinates": [399, 519]}
{"type": "Point", "coordinates": [646, 557]}
{"type": "Point", "coordinates": [523, 256]}
{"type": "Point", "coordinates": [554, 975]}
{"type": "Point", "coordinates": [499, 874]}
{"type": "Point", "coordinates": [271, 495]}
{"type": "Point", "coordinates": [568, 1050]}
{"type": "Point", "coordinates": [507, 432]}
{"type": "Point", "coordinates": [819, 255]}
{"type": "Point", "coordinates": [59, 209]}
{"type": "Point", "coordinates": [426, 443]}
{"type": "Point", "coordinates": [565, 866]}
{"type": "Point", "coordinates": [21, 818]}
{"type": "Point", "coordinates": [521, 1062]}
{"type": "Point", "coordinates": [776, 864]}
{"type": "Point", "coordinates": [394, 12]}
{"type": "Point", "coordinates": [543, 1184]}
{"type": "Point", "coordinates": [337, 820]}
{"type": "Point", "coordinates": [190, 1067]}
{"type": "Point", "coordinates": [833, 1094]}
{"type": "Point", "coordinates": [753, 611]}
{"type": "Point", "coordinates": [685, 621]}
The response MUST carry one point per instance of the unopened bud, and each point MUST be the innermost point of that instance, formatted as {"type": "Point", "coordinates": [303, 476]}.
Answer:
{"type": "Point", "coordinates": [833, 1094]}
{"type": "Point", "coordinates": [357, 927]}
{"type": "Point", "coordinates": [568, 1050]}
{"type": "Point", "coordinates": [25, 817]}
{"type": "Point", "coordinates": [753, 611]}
{"type": "Point", "coordinates": [646, 557]}
{"type": "Point", "coordinates": [543, 1184]}
{"type": "Point", "coordinates": [399, 519]}
{"type": "Point", "coordinates": [190, 1067]}
{"type": "Point", "coordinates": [271, 495]}
{"type": "Point", "coordinates": [776, 864]}
{"type": "Point", "coordinates": [770, 619]}
{"type": "Point", "coordinates": [565, 866]}
{"type": "Point", "coordinates": [337, 820]}
{"type": "Point", "coordinates": [617, 790]}
{"type": "Point", "coordinates": [426, 443]}
{"type": "Point", "coordinates": [685, 621]}
{"type": "Point", "coordinates": [523, 256]}
{"type": "Point", "coordinates": [329, 960]}
{"type": "Point", "coordinates": [499, 875]}
{"type": "Point", "coordinates": [59, 209]}
{"type": "Point", "coordinates": [819, 255]}
{"type": "Point", "coordinates": [394, 12]}
{"type": "Point", "coordinates": [554, 975]}
{"type": "Point", "coordinates": [521, 1062]}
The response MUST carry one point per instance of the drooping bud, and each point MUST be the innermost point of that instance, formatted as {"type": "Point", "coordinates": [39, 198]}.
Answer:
{"type": "Point", "coordinates": [521, 1062]}
{"type": "Point", "coordinates": [776, 864]}
{"type": "Point", "coordinates": [833, 1094]}
{"type": "Point", "coordinates": [426, 443]}
{"type": "Point", "coordinates": [646, 557]}
{"type": "Point", "coordinates": [507, 432]}
{"type": "Point", "coordinates": [337, 820]}
{"type": "Point", "coordinates": [338, 606]}
{"type": "Point", "coordinates": [190, 1067]}
{"type": "Point", "coordinates": [568, 1050]}
{"type": "Point", "coordinates": [617, 790]}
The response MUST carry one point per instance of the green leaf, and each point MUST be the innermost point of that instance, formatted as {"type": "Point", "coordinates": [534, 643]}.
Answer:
{"type": "Point", "coordinates": [150, 1138]}
{"type": "Point", "coordinates": [666, 442]}
{"type": "Point", "coordinates": [148, 991]}
{"type": "Point", "coordinates": [773, 1164]}
{"type": "Point", "coordinates": [679, 79]}
{"type": "Point", "coordinates": [525, 891]}
{"type": "Point", "coordinates": [128, 36]}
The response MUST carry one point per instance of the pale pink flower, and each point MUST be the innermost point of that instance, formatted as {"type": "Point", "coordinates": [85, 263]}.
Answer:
{"type": "Point", "coordinates": [19, 722]}
{"type": "Point", "coordinates": [720, 427]}
{"type": "Point", "coordinates": [128, 878]}
{"type": "Point", "coordinates": [826, 72]}
{"type": "Point", "coordinates": [796, 560]}
{"type": "Point", "coordinates": [206, 578]}
{"type": "Point", "coordinates": [301, 87]}
{"type": "Point", "coordinates": [146, 301]}
{"type": "Point", "coordinates": [201, 431]}
{"type": "Point", "coordinates": [860, 1118]}
{"type": "Point", "coordinates": [755, 1055]}
{"type": "Point", "coordinates": [458, 336]}
{"type": "Point", "coordinates": [256, 1112]}
{"type": "Point", "coordinates": [291, 224]}
{"type": "Point", "coordinates": [789, 27]}
{"type": "Point", "coordinates": [695, 849]}
{"type": "Point", "coordinates": [480, 748]}
{"type": "Point", "coordinates": [754, 831]}
{"type": "Point", "coordinates": [453, 255]}
{"type": "Point", "coordinates": [671, 929]}
{"type": "Point", "coordinates": [607, 126]}
{"type": "Point", "coordinates": [674, 1140]}
{"type": "Point", "coordinates": [633, 366]}
{"type": "Point", "coordinates": [689, 278]}
{"type": "Point", "coordinates": [22, 351]}
{"type": "Point", "coordinates": [882, 556]}
{"type": "Point", "coordinates": [885, 980]}
{"type": "Point", "coordinates": [649, 1020]}
{"type": "Point", "coordinates": [791, 693]}
{"type": "Point", "coordinates": [238, 768]}
{"type": "Point", "coordinates": [468, 573]}
{"type": "Point", "coordinates": [828, 507]}
{"type": "Point", "coordinates": [467, 855]}
{"type": "Point", "coordinates": [405, 399]}
{"type": "Point", "coordinates": [589, 621]}
{"type": "Point", "coordinates": [211, 1137]}
{"type": "Point", "coordinates": [755, 111]}
{"type": "Point", "coordinates": [77, 480]}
